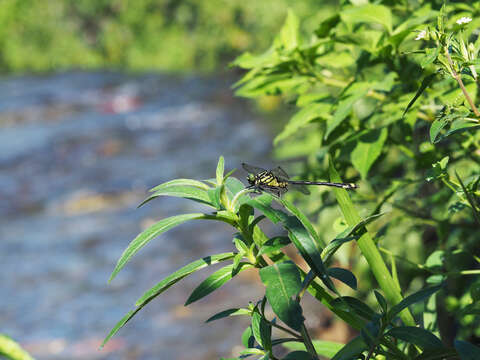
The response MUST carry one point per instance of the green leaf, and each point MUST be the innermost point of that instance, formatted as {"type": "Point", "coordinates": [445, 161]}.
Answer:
{"type": "Point", "coordinates": [344, 107]}
{"type": "Point", "coordinates": [283, 283]}
{"type": "Point", "coordinates": [181, 182]}
{"type": "Point", "coordinates": [470, 199]}
{"type": "Point", "coordinates": [426, 81]}
{"type": "Point", "coordinates": [220, 170]}
{"type": "Point", "coordinates": [326, 25]}
{"type": "Point", "coordinates": [299, 355]}
{"type": "Point", "coordinates": [344, 276]}
{"type": "Point", "coordinates": [348, 303]}
{"type": "Point", "coordinates": [274, 244]}
{"type": "Point", "coordinates": [288, 37]}
{"type": "Point", "coordinates": [152, 232]}
{"type": "Point", "coordinates": [467, 351]}
{"type": "Point", "coordinates": [214, 281]}
{"type": "Point", "coordinates": [215, 196]}
{"type": "Point", "coordinates": [436, 127]}
{"type": "Point", "coordinates": [351, 350]}
{"type": "Point", "coordinates": [182, 273]}
{"type": "Point", "coordinates": [303, 219]}
{"type": "Point", "coordinates": [381, 301]}
{"type": "Point", "coordinates": [368, 149]}
{"type": "Point", "coordinates": [409, 300]}
{"type": "Point", "coordinates": [264, 204]}
{"type": "Point", "coordinates": [438, 354]}
{"type": "Point", "coordinates": [308, 248]}
{"type": "Point", "coordinates": [430, 56]}
{"type": "Point", "coordinates": [303, 118]}
{"type": "Point", "coordinates": [324, 348]}
{"type": "Point", "coordinates": [262, 331]}
{"type": "Point", "coordinates": [248, 339]}
{"type": "Point", "coordinates": [368, 13]}
{"type": "Point", "coordinates": [415, 335]}
{"type": "Point", "coordinates": [227, 313]}
{"type": "Point", "coordinates": [187, 192]}
{"type": "Point", "coordinates": [12, 350]}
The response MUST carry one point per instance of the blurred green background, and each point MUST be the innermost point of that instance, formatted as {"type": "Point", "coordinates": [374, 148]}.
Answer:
{"type": "Point", "coordinates": [167, 35]}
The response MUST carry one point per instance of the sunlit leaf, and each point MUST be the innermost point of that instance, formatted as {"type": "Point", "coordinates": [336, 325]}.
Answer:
{"type": "Point", "coordinates": [151, 233]}
{"type": "Point", "coordinates": [368, 149]}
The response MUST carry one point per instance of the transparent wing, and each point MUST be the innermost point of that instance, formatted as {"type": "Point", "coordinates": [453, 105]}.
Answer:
{"type": "Point", "coordinates": [300, 187]}
{"type": "Point", "coordinates": [252, 169]}
{"type": "Point", "coordinates": [280, 173]}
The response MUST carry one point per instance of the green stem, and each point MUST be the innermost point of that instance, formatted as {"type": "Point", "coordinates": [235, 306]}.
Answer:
{"type": "Point", "coordinates": [308, 342]}
{"type": "Point", "coordinates": [460, 83]}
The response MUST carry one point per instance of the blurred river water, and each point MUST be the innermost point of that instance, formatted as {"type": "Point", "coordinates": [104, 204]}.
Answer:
{"type": "Point", "coordinates": [78, 152]}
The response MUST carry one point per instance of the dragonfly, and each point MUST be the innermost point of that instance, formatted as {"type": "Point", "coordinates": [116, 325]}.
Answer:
{"type": "Point", "coordinates": [277, 182]}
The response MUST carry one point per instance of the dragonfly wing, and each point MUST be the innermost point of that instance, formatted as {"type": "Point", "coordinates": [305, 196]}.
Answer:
{"type": "Point", "coordinates": [302, 188]}
{"type": "Point", "coordinates": [252, 169]}
{"type": "Point", "coordinates": [280, 173]}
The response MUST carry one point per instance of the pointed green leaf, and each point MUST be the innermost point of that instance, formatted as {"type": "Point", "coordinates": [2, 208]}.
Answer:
{"type": "Point", "coordinates": [288, 37]}
{"type": "Point", "coordinates": [324, 348]}
{"type": "Point", "coordinates": [227, 313]}
{"type": "Point", "coordinates": [426, 81]}
{"type": "Point", "coordinates": [264, 204]}
{"type": "Point", "coordinates": [247, 338]}
{"type": "Point", "coordinates": [303, 219]}
{"type": "Point", "coordinates": [351, 350]}
{"type": "Point", "coordinates": [262, 331]}
{"type": "Point", "coordinates": [214, 281]}
{"type": "Point", "coordinates": [344, 276]}
{"type": "Point", "coordinates": [467, 351]}
{"type": "Point", "coordinates": [435, 129]}
{"type": "Point", "coordinates": [182, 273]}
{"type": "Point", "coordinates": [415, 335]}
{"type": "Point", "coordinates": [181, 182]}
{"type": "Point", "coordinates": [368, 149]}
{"type": "Point", "coordinates": [220, 170]}
{"type": "Point", "coordinates": [12, 350]}
{"type": "Point", "coordinates": [299, 355]}
{"type": "Point", "coordinates": [348, 303]}
{"type": "Point", "coordinates": [283, 283]}
{"type": "Point", "coordinates": [308, 248]}
{"type": "Point", "coordinates": [214, 196]}
{"type": "Point", "coordinates": [409, 300]}
{"type": "Point", "coordinates": [303, 118]}
{"type": "Point", "coordinates": [274, 244]}
{"type": "Point", "coordinates": [152, 232]}
{"type": "Point", "coordinates": [187, 192]}
{"type": "Point", "coordinates": [430, 56]}
{"type": "Point", "coordinates": [381, 300]}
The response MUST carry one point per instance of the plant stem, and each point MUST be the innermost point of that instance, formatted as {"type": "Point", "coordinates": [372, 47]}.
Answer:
{"type": "Point", "coordinates": [308, 342]}
{"type": "Point", "coordinates": [460, 83]}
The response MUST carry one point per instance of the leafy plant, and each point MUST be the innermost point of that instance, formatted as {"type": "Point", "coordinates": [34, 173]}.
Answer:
{"type": "Point", "coordinates": [387, 96]}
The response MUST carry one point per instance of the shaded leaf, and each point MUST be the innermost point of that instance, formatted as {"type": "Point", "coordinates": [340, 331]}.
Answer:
{"type": "Point", "coordinates": [351, 350]}
{"type": "Point", "coordinates": [262, 331]}
{"type": "Point", "coordinates": [467, 351]}
{"type": "Point", "coordinates": [152, 232]}
{"type": "Point", "coordinates": [412, 299]}
{"type": "Point", "coordinates": [430, 56]}
{"type": "Point", "coordinates": [415, 335]}
{"type": "Point", "coordinates": [283, 283]}
{"type": "Point", "coordinates": [426, 81]}
{"type": "Point", "coordinates": [299, 355]}
{"type": "Point", "coordinates": [348, 303]}
{"type": "Point", "coordinates": [344, 276]}
{"type": "Point", "coordinates": [381, 300]}
{"type": "Point", "coordinates": [274, 244]}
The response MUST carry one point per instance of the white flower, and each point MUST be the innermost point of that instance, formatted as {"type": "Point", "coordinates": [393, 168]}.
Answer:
{"type": "Point", "coordinates": [463, 20]}
{"type": "Point", "coordinates": [421, 35]}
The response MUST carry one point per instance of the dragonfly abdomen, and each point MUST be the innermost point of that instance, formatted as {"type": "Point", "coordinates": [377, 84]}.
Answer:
{"type": "Point", "coordinates": [347, 186]}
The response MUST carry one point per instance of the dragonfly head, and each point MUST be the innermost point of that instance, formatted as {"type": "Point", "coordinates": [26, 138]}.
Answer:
{"type": "Point", "coordinates": [251, 179]}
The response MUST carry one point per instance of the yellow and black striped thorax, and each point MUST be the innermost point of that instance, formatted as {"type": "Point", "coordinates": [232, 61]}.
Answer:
{"type": "Point", "coordinates": [266, 178]}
